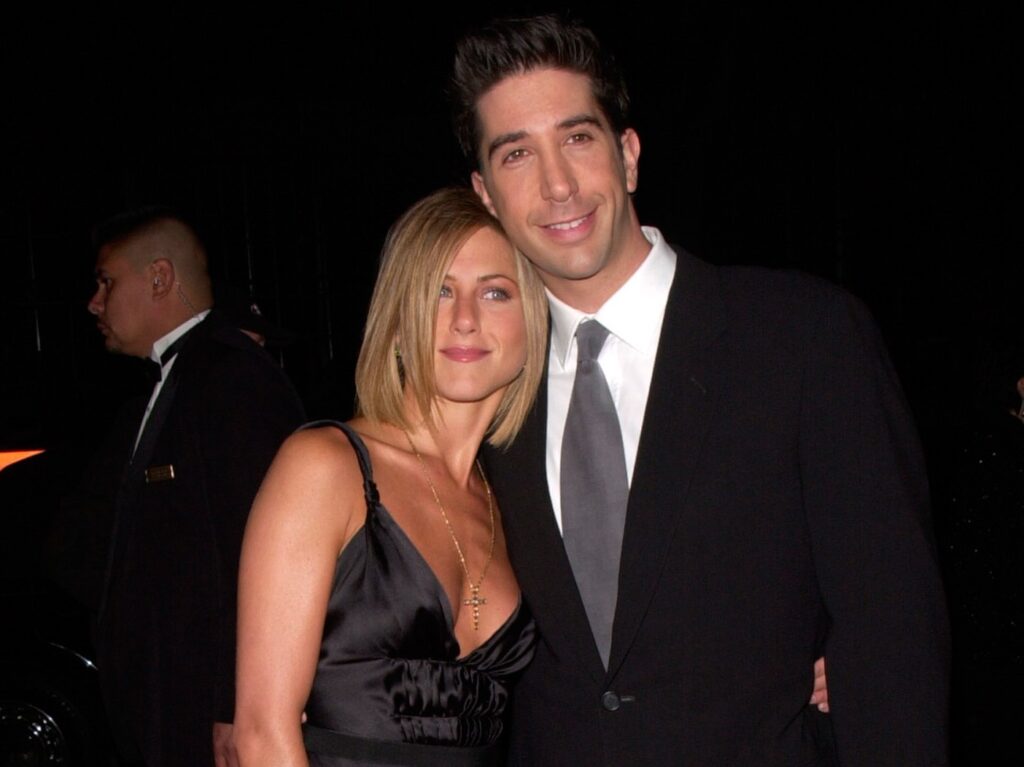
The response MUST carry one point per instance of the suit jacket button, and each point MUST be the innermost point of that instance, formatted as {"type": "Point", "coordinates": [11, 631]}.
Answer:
{"type": "Point", "coordinates": [611, 701]}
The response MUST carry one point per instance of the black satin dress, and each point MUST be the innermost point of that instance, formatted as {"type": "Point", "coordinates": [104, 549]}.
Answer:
{"type": "Point", "coordinates": [390, 687]}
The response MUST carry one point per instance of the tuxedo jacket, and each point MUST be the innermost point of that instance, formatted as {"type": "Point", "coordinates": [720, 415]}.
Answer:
{"type": "Point", "coordinates": [778, 511]}
{"type": "Point", "coordinates": [166, 633]}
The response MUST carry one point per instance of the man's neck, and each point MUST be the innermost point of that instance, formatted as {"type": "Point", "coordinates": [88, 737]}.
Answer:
{"type": "Point", "coordinates": [172, 335]}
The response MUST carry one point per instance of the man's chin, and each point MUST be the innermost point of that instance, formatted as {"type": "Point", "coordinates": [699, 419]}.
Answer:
{"type": "Point", "coordinates": [112, 346]}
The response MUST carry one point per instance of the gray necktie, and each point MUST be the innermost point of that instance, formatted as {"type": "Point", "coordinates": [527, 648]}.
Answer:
{"type": "Point", "coordinates": [595, 487]}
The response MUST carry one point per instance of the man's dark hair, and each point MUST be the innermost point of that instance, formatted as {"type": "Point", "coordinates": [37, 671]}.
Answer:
{"type": "Point", "coordinates": [506, 47]}
{"type": "Point", "coordinates": [130, 222]}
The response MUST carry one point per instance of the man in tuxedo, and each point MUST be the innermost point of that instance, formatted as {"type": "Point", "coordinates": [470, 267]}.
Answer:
{"type": "Point", "coordinates": [219, 409]}
{"type": "Point", "coordinates": [686, 555]}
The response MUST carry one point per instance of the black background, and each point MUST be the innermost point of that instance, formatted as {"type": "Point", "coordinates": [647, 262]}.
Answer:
{"type": "Point", "coordinates": [874, 148]}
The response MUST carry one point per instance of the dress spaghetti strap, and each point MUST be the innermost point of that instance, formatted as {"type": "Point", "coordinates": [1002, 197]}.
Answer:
{"type": "Point", "coordinates": [362, 454]}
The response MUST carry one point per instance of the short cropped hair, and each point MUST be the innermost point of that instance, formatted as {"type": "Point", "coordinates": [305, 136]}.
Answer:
{"type": "Point", "coordinates": [170, 236]}
{"type": "Point", "coordinates": [507, 47]}
{"type": "Point", "coordinates": [129, 223]}
{"type": "Point", "coordinates": [417, 254]}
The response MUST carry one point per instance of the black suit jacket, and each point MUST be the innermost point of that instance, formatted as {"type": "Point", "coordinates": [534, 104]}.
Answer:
{"type": "Point", "coordinates": [778, 511]}
{"type": "Point", "coordinates": [166, 637]}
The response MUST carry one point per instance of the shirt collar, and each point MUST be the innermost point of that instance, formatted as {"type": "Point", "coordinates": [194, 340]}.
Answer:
{"type": "Point", "coordinates": [633, 313]}
{"type": "Point", "coordinates": [162, 343]}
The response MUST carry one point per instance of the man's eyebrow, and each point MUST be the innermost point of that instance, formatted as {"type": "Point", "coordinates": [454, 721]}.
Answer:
{"type": "Point", "coordinates": [502, 140]}
{"type": "Point", "coordinates": [577, 120]}
{"type": "Point", "coordinates": [566, 124]}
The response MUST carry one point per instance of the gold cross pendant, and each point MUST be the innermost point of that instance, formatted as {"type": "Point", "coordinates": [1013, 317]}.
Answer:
{"type": "Point", "coordinates": [475, 601]}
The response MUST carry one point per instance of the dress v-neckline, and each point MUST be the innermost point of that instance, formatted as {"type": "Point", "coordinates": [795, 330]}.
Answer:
{"type": "Point", "coordinates": [446, 602]}
{"type": "Point", "coordinates": [374, 505]}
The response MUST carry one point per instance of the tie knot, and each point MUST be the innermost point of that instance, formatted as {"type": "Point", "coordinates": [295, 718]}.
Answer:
{"type": "Point", "coordinates": [590, 337]}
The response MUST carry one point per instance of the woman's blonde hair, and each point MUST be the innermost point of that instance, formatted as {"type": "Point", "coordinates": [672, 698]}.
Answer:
{"type": "Point", "coordinates": [398, 344]}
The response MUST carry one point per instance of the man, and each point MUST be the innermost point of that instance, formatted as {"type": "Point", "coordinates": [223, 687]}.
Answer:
{"type": "Point", "coordinates": [755, 497]}
{"type": "Point", "coordinates": [220, 409]}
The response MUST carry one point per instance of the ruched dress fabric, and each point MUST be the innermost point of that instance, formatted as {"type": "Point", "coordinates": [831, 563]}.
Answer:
{"type": "Point", "coordinates": [389, 670]}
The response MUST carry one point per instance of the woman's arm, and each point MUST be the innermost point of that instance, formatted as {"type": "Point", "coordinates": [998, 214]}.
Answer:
{"type": "Point", "coordinates": [309, 505]}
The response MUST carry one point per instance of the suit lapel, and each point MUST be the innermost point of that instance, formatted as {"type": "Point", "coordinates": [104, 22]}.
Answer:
{"type": "Point", "coordinates": [535, 544]}
{"type": "Point", "coordinates": [135, 470]}
{"type": "Point", "coordinates": [680, 407]}
{"type": "Point", "coordinates": [157, 417]}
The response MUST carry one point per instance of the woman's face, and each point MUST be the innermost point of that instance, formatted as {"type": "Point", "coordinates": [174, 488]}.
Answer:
{"type": "Point", "coordinates": [480, 339]}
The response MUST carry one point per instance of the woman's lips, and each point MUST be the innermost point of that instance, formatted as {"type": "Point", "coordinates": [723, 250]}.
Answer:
{"type": "Point", "coordinates": [464, 353]}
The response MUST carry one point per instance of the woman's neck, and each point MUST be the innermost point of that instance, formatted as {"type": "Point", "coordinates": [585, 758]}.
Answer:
{"type": "Point", "coordinates": [455, 434]}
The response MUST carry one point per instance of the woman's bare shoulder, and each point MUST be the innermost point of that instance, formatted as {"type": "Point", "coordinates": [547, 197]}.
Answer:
{"type": "Point", "coordinates": [319, 452]}
{"type": "Point", "coordinates": [315, 477]}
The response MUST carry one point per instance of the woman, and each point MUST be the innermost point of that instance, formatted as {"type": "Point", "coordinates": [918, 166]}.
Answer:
{"type": "Point", "coordinates": [375, 590]}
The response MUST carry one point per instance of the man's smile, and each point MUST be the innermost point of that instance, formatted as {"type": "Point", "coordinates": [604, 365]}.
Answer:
{"type": "Point", "coordinates": [567, 225]}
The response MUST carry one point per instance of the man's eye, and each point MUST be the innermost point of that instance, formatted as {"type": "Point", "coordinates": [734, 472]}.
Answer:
{"type": "Point", "coordinates": [515, 154]}
{"type": "Point", "coordinates": [579, 138]}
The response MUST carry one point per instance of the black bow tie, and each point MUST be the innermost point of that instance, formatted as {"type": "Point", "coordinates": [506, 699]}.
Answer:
{"type": "Point", "coordinates": [154, 369]}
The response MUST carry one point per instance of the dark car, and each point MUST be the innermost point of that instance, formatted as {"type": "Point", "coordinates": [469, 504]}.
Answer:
{"type": "Point", "coordinates": [51, 712]}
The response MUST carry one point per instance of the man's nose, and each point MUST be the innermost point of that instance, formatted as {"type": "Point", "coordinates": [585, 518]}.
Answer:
{"type": "Point", "coordinates": [95, 305]}
{"type": "Point", "coordinates": [558, 183]}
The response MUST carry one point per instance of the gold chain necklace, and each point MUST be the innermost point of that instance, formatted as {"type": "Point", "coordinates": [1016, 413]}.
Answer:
{"type": "Point", "coordinates": [475, 600]}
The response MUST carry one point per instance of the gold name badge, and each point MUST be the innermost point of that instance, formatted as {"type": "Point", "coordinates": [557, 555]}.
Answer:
{"type": "Point", "coordinates": [159, 473]}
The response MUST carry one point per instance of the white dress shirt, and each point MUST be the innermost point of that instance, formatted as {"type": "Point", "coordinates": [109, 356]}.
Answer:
{"type": "Point", "coordinates": [633, 317]}
{"type": "Point", "coordinates": [159, 347]}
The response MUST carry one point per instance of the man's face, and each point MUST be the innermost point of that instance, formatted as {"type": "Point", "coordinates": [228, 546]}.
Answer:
{"type": "Point", "coordinates": [123, 301]}
{"type": "Point", "coordinates": [559, 180]}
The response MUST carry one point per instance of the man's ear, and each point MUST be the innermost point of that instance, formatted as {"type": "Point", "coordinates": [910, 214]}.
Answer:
{"type": "Point", "coordinates": [630, 143]}
{"type": "Point", "coordinates": [162, 272]}
{"type": "Point", "coordinates": [481, 191]}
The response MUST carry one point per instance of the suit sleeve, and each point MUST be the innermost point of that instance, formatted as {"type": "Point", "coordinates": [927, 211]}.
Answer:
{"type": "Point", "coordinates": [250, 408]}
{"type": "Point", "coordinates": [866, 500]}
